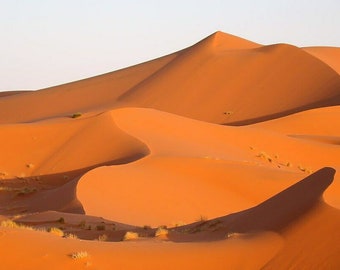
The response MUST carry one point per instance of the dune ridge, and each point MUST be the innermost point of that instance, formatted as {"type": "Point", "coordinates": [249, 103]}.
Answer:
{"type": "Point", "coordinates": [222, 155]}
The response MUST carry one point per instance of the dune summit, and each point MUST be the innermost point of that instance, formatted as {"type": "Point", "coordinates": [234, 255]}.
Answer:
{"type": "Point", "coordinates": [224, 155]}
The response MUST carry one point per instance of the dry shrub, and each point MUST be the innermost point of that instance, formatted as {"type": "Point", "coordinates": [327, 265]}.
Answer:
{"type": "Point", "coordinates": [103, 237]}
{"type": "Point", "coordinates": [56, 231]}
{"type": "Point", "coordinates": [131, 236]}
{"type": "Point", "coordinates": [161, 231]}
{"type": "Point", "coordinates": [79, 255]}
{"type": "Point", "coordinates": [11, 224]}
{"type": "Point", "coordinates": [71, 236]}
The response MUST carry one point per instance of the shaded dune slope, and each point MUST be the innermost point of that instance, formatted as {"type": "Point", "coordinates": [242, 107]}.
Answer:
{"type": "Point", "coordinates": [279, 211]}
{"type": "Point", "coordinates": [329, 55]}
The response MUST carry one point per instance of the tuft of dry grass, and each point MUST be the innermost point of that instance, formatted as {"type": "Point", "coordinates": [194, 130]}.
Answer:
{"type": "Point", "coordinates": [228, 112]}
{"type": "Point", "coordinates": [161, 231]}
{"type": "Point", "coordinates": [19, 191]}
{"type": "Point", "coordinates": [179, 224]}
{"type": "Point", "coordinates": [26, 190]}
{"type": "Point", "coordinates": [103, 237]}
{"type": "Point", "coordinates": [61, 220]}
{"type": "Point", "coordinates": [71, 236]}
{"type": "Point", "coordinates": [79, 255]}
{"type": "Point", "coordinates": [11, 224]}
{"type": "Point", "coordinates": [76, 115]}
{"type": "Point", "coordinates": [265, 156]}
{"type": "Point", "coordinates": [130, 236]}
{"type": "Point", "coordinates": [2, 188]}
{"type": "Point", "coordinates": [232, 235]}
{"type": "Point", "coordinates": [56, 231]}
{"type": "Point", "coordinates": [202, 218]}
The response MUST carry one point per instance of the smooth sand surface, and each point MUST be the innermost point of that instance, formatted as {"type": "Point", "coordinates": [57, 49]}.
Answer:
{"type": "Point", "coordinates": [224, 155]}
{"type": "Point", "coordinates": [329, 55]}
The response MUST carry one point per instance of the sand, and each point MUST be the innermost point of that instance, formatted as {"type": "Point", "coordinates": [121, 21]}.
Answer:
{"type": "Point", "coordinates": [224, 155]}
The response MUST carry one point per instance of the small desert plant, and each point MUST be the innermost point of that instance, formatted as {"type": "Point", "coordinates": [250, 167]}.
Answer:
{"type": "Point", "coordinates": [265, 156]}
{"type": "Point", "coordinates": [82, 224]}
{"type": "Point", "coordinates": [11, 224]}
{"type": "Point", "coordinates": [146, 227]}
{"type": "Point", "coordinates": [161, 231]}
{"type": "Point", "coordinates": [61, 220]}
{"type": "Point", "coordinates": [232, 235]}
{"type": "Point", "coordinates": [131, 236]}
{"type": "Point", "coordinates": [3, 174]}
{"type": "Point", "coordinates": [202, 218]}
{"type": "Point", "coordinates": [179, 224]}
{"type": "Point", "coordinates": [71, 236]}
{"type": "Point", "coordinates": [6, 189]}
{"type": "Point", "coordinates": [76, 115]}
{"type": "Point", "coordinates": [26, 190]}
{"type": "Point", "coordinates": [56, 231]}
{"type": "Point", "coordinates": [79, 255]}
{"type": "Point", "coordinates": [103, 237]}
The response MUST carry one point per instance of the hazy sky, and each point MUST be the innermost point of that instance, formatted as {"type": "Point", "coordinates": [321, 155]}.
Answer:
{"type": "Point", "coordinates": [50, 42]}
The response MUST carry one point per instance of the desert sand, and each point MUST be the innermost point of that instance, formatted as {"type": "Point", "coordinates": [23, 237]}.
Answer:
{"type": "Point", "coordinates": [224, 155]}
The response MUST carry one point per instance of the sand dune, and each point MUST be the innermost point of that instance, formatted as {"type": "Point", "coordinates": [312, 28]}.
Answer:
{"type": "Point", "coordinates": [329, 55]}
{"type": "Point", "coordinates": [224, 155]}
{"type": "Point", "coordinates": [216, 80]}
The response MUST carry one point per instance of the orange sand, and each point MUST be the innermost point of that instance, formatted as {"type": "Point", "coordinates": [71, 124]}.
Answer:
{"type": "Point", "coordinates": [233, 146]}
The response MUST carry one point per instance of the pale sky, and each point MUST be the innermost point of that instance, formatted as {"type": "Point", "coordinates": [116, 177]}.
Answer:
{"type": "Point", "coordinates": [50, 42]}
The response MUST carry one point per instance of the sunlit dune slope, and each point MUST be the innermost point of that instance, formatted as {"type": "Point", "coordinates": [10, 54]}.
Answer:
{"type": "Point", "coordinates": [93, 94]}
{"type": "Point", "coordinates": [64, 146]}
{"type": "Point", "coordinates": [221, 79]}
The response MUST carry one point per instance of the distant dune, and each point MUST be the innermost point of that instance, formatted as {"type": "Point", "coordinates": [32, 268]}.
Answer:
{"type": "Point", "coordinates": [224, 155]}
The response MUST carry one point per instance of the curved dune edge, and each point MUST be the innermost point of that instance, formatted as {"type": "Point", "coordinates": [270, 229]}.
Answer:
{"type": "Point", "coordinates": [332, 194]}
{"type": "Point", "coordinates": [314, 122]}
{"type": "Point", "coordinates": [80, 145]}
{"type": "Point", "coordinates": [44, 165]}
{"type": "Point", "coordinates": [171, 135]}
{"type": "Point", "coordinates": [170, 191]}
{"type": "Point", "coordinates": [329, 55]}
{"type": "Point", "coordinates": [301, 216]}
{"type": "Point", "coordinates": [203, 163]}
